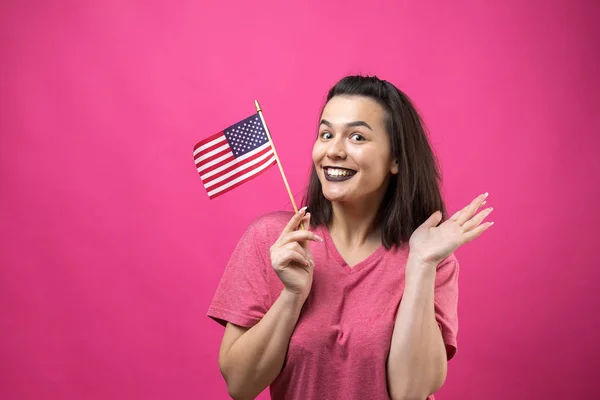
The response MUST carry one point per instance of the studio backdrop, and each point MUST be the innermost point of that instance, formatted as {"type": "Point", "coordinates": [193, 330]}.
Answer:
{"type": "Point", "coordinates": [110, 249]}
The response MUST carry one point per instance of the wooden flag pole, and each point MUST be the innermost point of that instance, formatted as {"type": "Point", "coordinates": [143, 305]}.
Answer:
{"type": "Point", "coordinates": [287, 186]}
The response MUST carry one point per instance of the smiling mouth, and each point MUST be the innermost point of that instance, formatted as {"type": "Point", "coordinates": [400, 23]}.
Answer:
{"type": "Point", "coordinates": [338, 174]}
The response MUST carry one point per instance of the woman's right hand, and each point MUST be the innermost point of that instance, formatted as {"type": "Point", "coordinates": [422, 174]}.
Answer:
{"type": "Point", "coordinates": [290, 255]}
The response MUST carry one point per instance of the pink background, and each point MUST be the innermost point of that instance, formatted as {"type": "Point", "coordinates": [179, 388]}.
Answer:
{"type": "Point", "coordinates": [111, 250]}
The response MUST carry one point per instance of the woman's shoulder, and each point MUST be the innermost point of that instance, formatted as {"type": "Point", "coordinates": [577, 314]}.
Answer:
{"type": "Point", "coordinates": [270, 225]}
{"type": "Point", "coordinates": [273, 219]}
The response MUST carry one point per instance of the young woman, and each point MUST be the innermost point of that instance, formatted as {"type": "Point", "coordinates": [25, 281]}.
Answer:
{"type": "Point", "coordinates": [362, 304]}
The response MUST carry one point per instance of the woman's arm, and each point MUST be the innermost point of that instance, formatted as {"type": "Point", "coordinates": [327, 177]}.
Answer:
{"type": "Point", "coordinates": [417, 361]}
{"type": "Point", "coordinates": [250, 359]}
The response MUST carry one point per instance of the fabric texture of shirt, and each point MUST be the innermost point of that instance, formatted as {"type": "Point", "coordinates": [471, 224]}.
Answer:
{"type": "Point", "coordinates": [340, 345]}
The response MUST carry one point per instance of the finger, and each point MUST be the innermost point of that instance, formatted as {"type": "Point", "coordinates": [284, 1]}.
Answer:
{"type": "Point", "coordinates": [469, 211]}
{"type": "Point", "coordinates": [299, 236]}
{"type": "Point", "coordinates": [476, 220]}
{"type": "Point", "coordinates": [433, 220]}
{"type": "Point", "coordinates": [457, 214]}
{"type": "Point", "coordinates": [293, 223]}
{"type": "Point", "coordinates": [296, 247]}
{"type": "Point", "coordinates": [287, 256]}
{"type": "Point", "coordinates": [305, 243]}
{"type": "Point", "coordinates": [477, 231]}
{"type": "Point", "coordinates": [305, 223]}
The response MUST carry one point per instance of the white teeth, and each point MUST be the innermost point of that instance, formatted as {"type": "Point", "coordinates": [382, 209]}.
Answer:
{"type": "Point", "coordinates": [337, 172]}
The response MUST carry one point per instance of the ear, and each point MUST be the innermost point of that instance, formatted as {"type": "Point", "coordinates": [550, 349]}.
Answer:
{"type": "Point", "coordinates": [394, 167]}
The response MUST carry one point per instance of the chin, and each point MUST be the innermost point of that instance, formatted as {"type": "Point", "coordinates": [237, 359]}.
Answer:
{"type": "Point", "coordinates": [333, 192]}
{"type": "Point", "coordinates": [333, 199]}
{"type": "Point", "coordinates": [337, 197]}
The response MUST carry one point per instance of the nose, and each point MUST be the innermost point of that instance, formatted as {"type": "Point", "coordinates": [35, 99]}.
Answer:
{"type": "Point", "coordinates": [337, 148]}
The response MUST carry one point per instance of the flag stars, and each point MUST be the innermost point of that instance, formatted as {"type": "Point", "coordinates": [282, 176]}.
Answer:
{"type": "Point", "coordinates": [246, 136]}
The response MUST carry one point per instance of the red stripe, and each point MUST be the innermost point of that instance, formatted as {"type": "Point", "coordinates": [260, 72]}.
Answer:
{"type": "Point", "coordinates": [208, 139]}
{"type": "Point", "coordinates": [239, 174]}
{"type": "Point", "coordinates": [211, 148]}
{"type": "Point", "coordinates": [213, 157]}
{"type": "Point", "coordinates": [217, 165]}
{"type": "Point", "coordinates": [236, 165]}
{"type": "Point", "coordinates": [239, 183]}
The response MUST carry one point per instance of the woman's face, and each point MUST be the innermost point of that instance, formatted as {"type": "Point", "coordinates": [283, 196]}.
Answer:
{"type": "Point", "coordinates": [352, 154]}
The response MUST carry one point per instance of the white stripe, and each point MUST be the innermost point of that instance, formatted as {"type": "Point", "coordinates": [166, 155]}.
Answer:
{"type": "Point", "coordinates": [243, 177]}
{"type": "Point", "coordinates": [212, 153]}
{"type": "Point", "coordinates": [209, 144]}
{"type": "Point", "coordinates": [215, 161]}
{"type": "Point", "coordinates": [229, 164]}
{"type": "Point", "coordinates": [237, 160]}
{"type": "Point", "coordinates": [240, 168]}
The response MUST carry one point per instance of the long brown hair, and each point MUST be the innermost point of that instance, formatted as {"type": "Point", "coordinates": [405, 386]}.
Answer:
{"type": "Point", "coordinates": [414, 193]}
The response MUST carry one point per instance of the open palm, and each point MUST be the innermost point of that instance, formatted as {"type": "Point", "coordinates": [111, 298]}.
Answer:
{"type": "Point", "coordinates": [432, 243]}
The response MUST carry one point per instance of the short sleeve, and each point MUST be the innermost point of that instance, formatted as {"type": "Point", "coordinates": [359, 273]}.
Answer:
{"type": "Point", "coordinates": [446, 302]}
{"type": "Point", "coordinates": [242, 296]}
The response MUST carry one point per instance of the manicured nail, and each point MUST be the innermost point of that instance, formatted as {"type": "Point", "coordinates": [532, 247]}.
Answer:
{"type": "Point", "coordinates": [302, 210]}
{"type": "Point", "coordinates": [319, 238]}
{"type": "Point", "coordinates": [483, 202]}
{"type": "Point", "coordinates": [485, 195]}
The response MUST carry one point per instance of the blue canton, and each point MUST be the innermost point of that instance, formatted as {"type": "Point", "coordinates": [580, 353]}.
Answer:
{"type": "Point", "coordinates": [246, 135]}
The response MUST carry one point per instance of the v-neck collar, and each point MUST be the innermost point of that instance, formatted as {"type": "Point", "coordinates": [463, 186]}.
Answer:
{"type": "Point", "coordinates": [378, 252]}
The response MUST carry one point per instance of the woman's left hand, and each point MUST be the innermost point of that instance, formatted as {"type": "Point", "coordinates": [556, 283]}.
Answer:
{"type": "Point", "coordinates": [431, 243]}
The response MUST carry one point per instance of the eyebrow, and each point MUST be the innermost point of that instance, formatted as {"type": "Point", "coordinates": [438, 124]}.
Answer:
{"type": "Point", "coordinates": [348, 125]}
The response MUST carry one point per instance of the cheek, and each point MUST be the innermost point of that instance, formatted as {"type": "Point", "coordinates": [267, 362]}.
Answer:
{"type": "Point", "coordinates": [376, 164]}
{"type": "Point", "coordinates": [317, 153]}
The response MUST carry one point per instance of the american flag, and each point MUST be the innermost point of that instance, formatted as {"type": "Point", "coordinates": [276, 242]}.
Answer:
{"type": "Point", "coordinates": [235, 155]}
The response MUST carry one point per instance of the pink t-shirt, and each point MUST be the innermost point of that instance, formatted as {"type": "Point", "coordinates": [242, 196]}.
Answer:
{"type": "Point", "coordinates": [342, 338]}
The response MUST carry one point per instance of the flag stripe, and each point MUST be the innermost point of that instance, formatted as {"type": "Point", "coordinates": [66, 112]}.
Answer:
{"type": "Point", "coordinates": [252, 175]}
{"type": "Point", "coordinates": [207, 164]}
{"type": "Point", "coordinates": [218, 166]}
{"type": "Point", "coordinates": [242, 177]}
{"type": "Point", "coordinates": [215, 173]}
{"type": "Point", "coordinates": [210, 146]}
{"type": "Point", "coordinates": [234, 161]}
{"type": "Point", "coordinates": [208, 139]}
{"type": "Point", "coordinates": [235, 172]}
{"type": "Point", "coordinates": [214, 151]}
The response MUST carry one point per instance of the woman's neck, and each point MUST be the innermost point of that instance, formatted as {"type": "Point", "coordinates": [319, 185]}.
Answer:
{"type": "Point", "coordinates": [355, 224]}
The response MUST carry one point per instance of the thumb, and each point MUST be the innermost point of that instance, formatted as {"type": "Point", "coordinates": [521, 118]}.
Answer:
{"type": "Point", "coordinates": [306, 222]}
{"type": "Point", "coordinates": [433, 220]}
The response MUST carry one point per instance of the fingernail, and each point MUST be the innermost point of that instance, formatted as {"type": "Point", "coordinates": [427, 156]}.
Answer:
{"type": "Point", "coordinates": [319, 238]}
{"type": "Point", "coordinates": [484, 202]}
{"type": "Point", "coordinates": [486, 194]}
{"type": "Point", "coordinates": [302, 210]}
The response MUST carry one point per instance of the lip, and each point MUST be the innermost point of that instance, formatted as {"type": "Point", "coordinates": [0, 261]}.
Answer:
{"type": "Point", "coordinates": [337, 178]}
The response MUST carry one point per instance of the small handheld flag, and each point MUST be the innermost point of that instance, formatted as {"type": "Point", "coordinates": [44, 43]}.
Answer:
{"type": "Point", "coordinates": [234, 156]}
{"type": "Point", "coordinates": [239, 153]}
